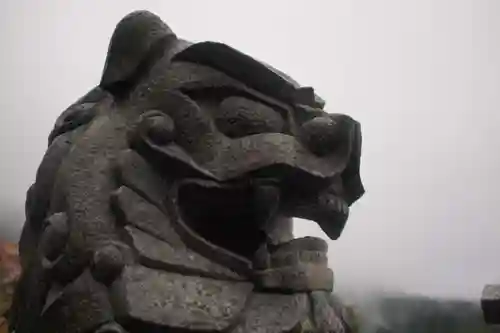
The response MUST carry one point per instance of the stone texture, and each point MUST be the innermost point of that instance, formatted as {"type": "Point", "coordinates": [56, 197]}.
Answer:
{"type": "Point", "coordinates": [295, 258]}
{"type": "Point", "coordinates": [179, 301]}
{"type": "Point", "coordinates": [239, 117]}
{"type": "Point", "coordinates": [54, 237]}
{"type": "Point", "coordinates": [134, 172]}
{"type": "Point", "coordinates": [298, 265]}
{"type": "Point", "coordinates": [135, 37]}
{"type": "Point", "coordinates": [159, 254]}
{"type": "Point", "coordinates": [136, 211]}
{"type": "Point", "coordinates": [107, 263]}
{"type": "Point", "coordinates": [273, 313]}
{"type": "Point", "coordinates": [298, 278]}
{"type": "Point", "coordinates": [324, 316]}
{"type": "Point", "coordinates": [490, 304]}
{"type": "Point", "coordinates": [79, 307]}
{"type": "Point", "coordinates": [166, 196]}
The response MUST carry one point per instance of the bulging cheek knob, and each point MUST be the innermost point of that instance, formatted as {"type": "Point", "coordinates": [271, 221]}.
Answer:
{"type": "Point", "coordinates": [107, 263]}
{"type": "Point", "coordinates": [324, 134]}
{"type": "Point", "coordinates": [55, 236]}
{"type": "Point", "coordinates": [160, 129]}
{"type": "Point", "coordinates": [155, 126]}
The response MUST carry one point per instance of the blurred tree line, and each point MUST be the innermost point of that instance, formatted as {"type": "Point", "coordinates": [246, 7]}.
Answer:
{"type": "Point", "coordinates": [414, 314]}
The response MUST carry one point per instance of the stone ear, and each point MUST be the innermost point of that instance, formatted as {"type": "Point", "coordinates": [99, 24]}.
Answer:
{"type": "Point", "coordinates": [138, 40]}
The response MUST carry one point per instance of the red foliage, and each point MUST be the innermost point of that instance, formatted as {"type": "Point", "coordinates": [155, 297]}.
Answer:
{"type": "Point", "coordinates": [10, 271]}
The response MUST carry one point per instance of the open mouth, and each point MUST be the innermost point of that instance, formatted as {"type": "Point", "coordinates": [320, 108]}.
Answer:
{"type": "Point", "coordinates": [235, 216]}
{"type": "Point", "coordinates": [230, 216]}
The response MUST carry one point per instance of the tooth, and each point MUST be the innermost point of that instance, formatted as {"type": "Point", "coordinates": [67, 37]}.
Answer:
{"type": "Point", "coordinates": [266, 199]}
{"type": "Point", "coordinates": [338, 204]}
{"type": "Point", "coordinates": [345, 207]}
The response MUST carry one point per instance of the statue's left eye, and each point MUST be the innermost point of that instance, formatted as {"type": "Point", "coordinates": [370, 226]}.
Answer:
{"type": "Point", "coordinates": [239, 116]}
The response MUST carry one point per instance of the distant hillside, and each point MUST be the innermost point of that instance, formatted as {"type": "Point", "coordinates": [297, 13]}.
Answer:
{"type": "Point", "coordinates": [9, 232]}
{"type": "Point", "coordinates": [401, 313]}
{"type": "Point", "coordinates": [10, 226]}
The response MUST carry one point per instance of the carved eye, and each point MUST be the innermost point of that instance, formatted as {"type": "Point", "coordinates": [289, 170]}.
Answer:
{"type": "Point", "coordinates": [239, 116]}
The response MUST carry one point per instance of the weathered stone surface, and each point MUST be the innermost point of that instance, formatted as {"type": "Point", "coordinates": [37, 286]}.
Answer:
{"type": "Point", "coordinates": [135, 173]}
{"type": "Point", "coordinates": [179, 301]}
{"type": "Point", "coordinates": [324, 316]}
{"type": "Point", "coordinates": [306, 96]}
{"type": "Point", "coordinates": [298, 265]}
{"type": "Point", "coordinates": [136, 211]}
{"type": "Point", "coordinates": [295, 258]}
{"type": "Point", "coordinates": [490, 303]}
{"type": "Point", "coordinates": [158, 254]}
{"type": "Point", "coordinates": [39, 194]}
{"type": "Point", "coordinates": [273, 313]}
{"type": "Point", "coordinates": [298, 278]}
{"type": "Point", "coordinates": [135, 37]}
{"type": "Point", "coordinates": [173, 184]}
{"type": "Point", "coordinates": [77, 308]}
{"type": "Point", "coordinates": [107, 263]}
{"type": "Point", "coordinates": [324, 134]}
{"type": "Point", "coordinates": [240, 116]}
{"type": "Point", "coordinates": [55, 236]}
{"type": "Point", "coordinates": [307, 243]}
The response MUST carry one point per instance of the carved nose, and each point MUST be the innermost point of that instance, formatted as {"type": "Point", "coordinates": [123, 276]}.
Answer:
{"type": "Point", "coordinates": [324, 134]}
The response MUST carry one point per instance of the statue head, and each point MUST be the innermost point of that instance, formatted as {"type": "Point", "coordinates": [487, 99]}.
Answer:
{"type": "Point", "coordinates": [185, 166]}
{"type": "Point", "coordinates": [240, 142]}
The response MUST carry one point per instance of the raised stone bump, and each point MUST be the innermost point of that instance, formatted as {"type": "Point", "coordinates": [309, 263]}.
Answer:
{"type": "Point", "coordinates": [323, 134]}
{"type": "Point", "coordinates": [107, 263]}
{"type": "Point", "coordinates": [55, 236]}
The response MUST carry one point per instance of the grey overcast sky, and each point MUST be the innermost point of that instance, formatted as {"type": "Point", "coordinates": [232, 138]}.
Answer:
{"type": "Point", "coordinates": [422, 76]}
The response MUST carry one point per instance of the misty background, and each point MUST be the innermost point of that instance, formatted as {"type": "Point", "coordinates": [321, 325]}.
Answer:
{"type": "Point", "coordinates": [422, 77]}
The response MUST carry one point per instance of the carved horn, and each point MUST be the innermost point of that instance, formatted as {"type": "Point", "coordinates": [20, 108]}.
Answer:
{"type": "Point", "coordinates": [138, 40]}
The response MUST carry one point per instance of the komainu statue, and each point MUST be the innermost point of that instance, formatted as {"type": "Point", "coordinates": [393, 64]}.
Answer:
{"type": "Point", "coordinates": [164, 202]}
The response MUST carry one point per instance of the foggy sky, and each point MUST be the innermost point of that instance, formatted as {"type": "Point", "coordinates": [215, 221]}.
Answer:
{"type": "Point", "coordinates": [422, 77]}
